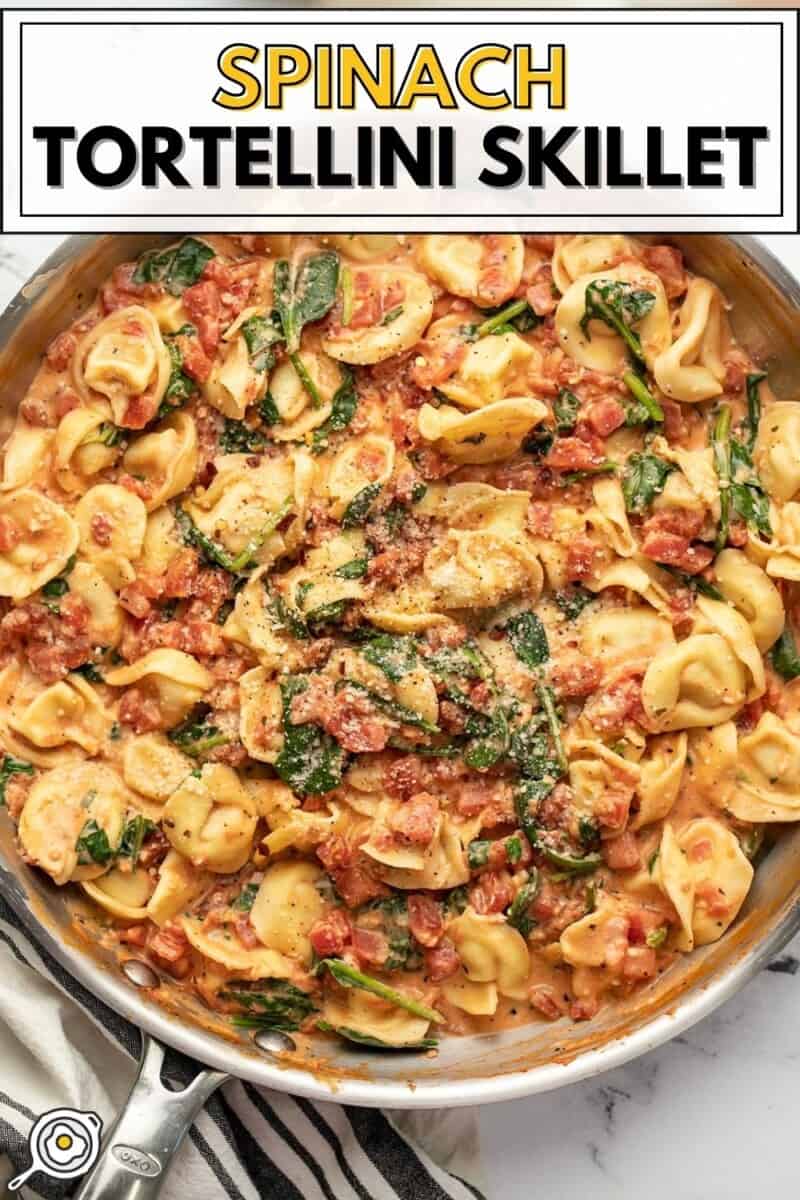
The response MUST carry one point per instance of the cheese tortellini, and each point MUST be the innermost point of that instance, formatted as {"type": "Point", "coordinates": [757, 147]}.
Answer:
{"type": "Point", "coordinates": [124, 359]}
{"type": "Point", "coordinates": [211, 820]}
{"type": "Point", "coordinates": [65, 805]}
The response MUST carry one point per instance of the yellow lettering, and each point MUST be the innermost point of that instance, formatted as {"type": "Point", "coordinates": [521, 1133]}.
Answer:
{"type": "Point", "coordinates": [465, 77]}
{"type": "Point", "coordinates": [425, 77]}
{"type": "Point", "coordinates": [229, 68]}
{"type": "Point", "coordinates": [287, 66]}
{"type": "Point", "coordinates": [353, 69]}
{"type": "Point", "coordinates": [322, 70]}
{"type": "Point", "coordinates": [527, 76]}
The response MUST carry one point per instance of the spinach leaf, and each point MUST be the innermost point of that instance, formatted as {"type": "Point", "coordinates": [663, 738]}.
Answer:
{"type": "Point", "coordinates": [239, 438]}
{"type": "Point", "coordinates": [356, 568]}
{"type": "Point", "coordinates": [369, 1039]}
{"type": "Point", "coordinates": [271, 1004]}
{"type": "Point", "coordinates": [357, 510]}
{"type": "Point", "coordinates": [573, 600]}
{"type": "Point", "coordinates": [348, 976]}
{"type": "Point", "coordinates": [530, 750]}
{"type": "Point", "coordinates": [343, 408]}
{"type": "Point", "coordinates": [393, 314]}
{"type": "Point", "coordinates": [213, 552]}
{"type": "Point", "coordinates": [464, 662]}
{"type": "Point", "coordinates": [246, 898]}
{"type": "Point", "coordinates": [55, 588]}
{"type": "Point", "coordinates": [478, 853]}
{"type": "Point", "coordinates": [89, 671]}
{"type": "Point", "coordinates": [527, 798]}
{"type": "Point", "coordinates": [308, 296]}
{"type": "Point", "coordinates": [547, 701]}
{"type": "Point", "coordinates": [403, 951]}
{"type": "Point", "coordinates": [528, 639]}
{"type": "Point", "coordinates": [181, 387]}
{"type": "Point", "coordinates": [490, 738]}
{"type": "Point", "coordinates": [93, 845]}
{"type": "Point", "coordinates": [618, 305]}
{"type": "Point", "coordinates": [518, 315]}
{"type": "Point", "coordinates": [784, 656]}
{"type": "Point", "coordinates": [176, 269]}
{"type": "Point", "coordinates": [310, 760]}
{"type": "Point", "coordinates": [753, 408]}
{"type": "Point", "coordinates": [394, 654]}
{"type": "Point", "coordinates": [197, 738]}
{"type": "Point", "coordinates": [644, 478]}
{"type": "Point", "coordinates": [268, 410]}
{"type": "Point", "coordinates": [646, 402]}
{"type": "Point", "coordinates": [720, 442]}
{"type": "Point", "coordinates": [695, 583]}
{"type": "Point", "coordinates": [392, 708]}
{"type": "Point", "coordinates": [748, 497]}
{"type": "Point", "coordinates": [261, 335]}
{"type": "Point", "coordinates": [456, 900]}
{"type": "Point", "coordinates": [565, 410]}
{"type": "Point", "coordinates": [518, 915]}
{"type": "Point", "coordinates": [12, 766]}
{"type": "Point", "coordinates": [133, 835]}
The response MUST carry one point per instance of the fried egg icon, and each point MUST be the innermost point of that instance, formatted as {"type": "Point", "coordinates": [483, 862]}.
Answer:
{"type": "Point", "coordinates": [63, 1144]}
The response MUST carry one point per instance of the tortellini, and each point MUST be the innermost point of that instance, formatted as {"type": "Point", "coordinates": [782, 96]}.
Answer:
{"type": "Point", "coordinates": [124, 359]}
{"type": "Point", "coordinates": [477, 568]}
{"type": "Point", "coordinates": [87, 442]}
{"type": "Point", "coordinates": [491, 951]}
{"type": "Point", "coordinates": [112, 522]}
{"type": "Point", "coordinates": [408, 318]}
{"type": "Point", "coordinates": [692, 368]}
{"type": "Point", "coordinates": [175, 679]}
{"type": "Point", "coordinates": [211, 820]}
{"type": "Point", "coordinates": [700, 681]}
{"type": "Point", "coordinates": [152, 766]}
{"type": "Point", "coordinates": [767, 779]}
{"type": "Point", "coordinates": [368, 1015]}
{"type": "Point", "coordinates": [125, 894]}
{"type": "Point", "coordinates": [587, 254]}
{"type": "Point", "coordinates": [286, 906]}
{"type": "Point", "coordinates": [490, 434]}
{"type": "Point", "coordinates": [486, 270]}
{"type": "Point", "coordinates": [105, 612]}
{"type": "Point", "coordinates": [67, 711]}
{"type": "Point", "coordinates": [298, 414]}
{"type": "Point", "coordinates": [594, 770]}
{"type": "Point", "coordinates": [165, 460]}
{"type": "Point", "coordinates": [234, 384]}
{"type": "Point", "coordinates": [59, 808]}
{"type": "Point", "coordinates": [442, 864]}
{"type": "Point", "coordinates": [44, 539]}
{"type": "Point", "coordinates": [777, 451]}
{"type": "Point", "coordinates": [704, 872]}
{"type": "Point", "coordinates": [626, 635]}
{"type": "Point", "coordinates": [365, 246]}
{"type": "Point", "coordinates": [753, 593]}
{"type": "Point", "coordinates": [221, 947]}
{"type": "Point", "coordinates": [178, 884]}
{"type": "Point", "coordinates": [366, 462]}
{"type": "Point", "coordinates": [260, 722]}
{"type": "Point", "coordinates": [599, 347]}
{"type": "Point", "coordinates": [593, 941]}
{"type": "Point", "coordinates": [489, 369]}
{"type": "Point", "coordinates": [24, 455]}
{"type": "Point", "coordinates": [610, 518]}
{"type": "Point", "coordinates": [660, 777]}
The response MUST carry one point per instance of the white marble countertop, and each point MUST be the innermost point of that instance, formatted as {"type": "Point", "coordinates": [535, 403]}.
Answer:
{"type": "Point", "coordinates": [713, 1115]}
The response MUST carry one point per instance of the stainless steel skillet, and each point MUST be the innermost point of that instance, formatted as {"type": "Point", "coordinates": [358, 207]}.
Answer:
{"type": "Point", "coordinates": [766, 316]}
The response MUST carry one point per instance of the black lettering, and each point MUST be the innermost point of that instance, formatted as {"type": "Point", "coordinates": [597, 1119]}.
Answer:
{"type": "Point", "coordinates": [615, 152]}
{"type": "Point", "coordinates": [365, 158]}
{"type": "Point", "coordinates": [157, 158]}
{"type": "Point", "coordinates": [747, 136]}
{"type": "Point", "coordinates": [393, 149]}
{"type": "Point", "coordinates": [247, 155]}
{"type": "Point", "coordinates": [656, 175]}
{"type": "Point", "coordinates": [210, 137]}
{"type": "Point", "coordinates": [492, 144]}
{"type": "Point", "coordinates": [326, 151]}
{"type": "Point", "coordinates": [446, 156]}
{"type": "Point", "coordinates": [54, 137]}
{"type": "Point", "coordinates": [698, 156]}
{"type": "Point", "coordinates": [591, 156]}
{"type": "Point", "coordinates": [544, 156]}
{"type": "Point", "coordinates": [127, 156]}
{"type": "Point", "coordinates": [285, 175]}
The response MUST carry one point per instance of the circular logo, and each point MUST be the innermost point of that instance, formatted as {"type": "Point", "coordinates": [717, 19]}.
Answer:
{"type": "Point", "coordinates": [64, 1143]}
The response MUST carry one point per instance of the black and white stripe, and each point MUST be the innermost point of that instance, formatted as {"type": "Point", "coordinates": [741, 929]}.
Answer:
{"type": "Point", "coordinates": [248, 1143]}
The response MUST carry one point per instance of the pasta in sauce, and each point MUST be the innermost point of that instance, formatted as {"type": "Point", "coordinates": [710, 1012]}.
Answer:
{"type": "Point", "coordinates": [396, 632]}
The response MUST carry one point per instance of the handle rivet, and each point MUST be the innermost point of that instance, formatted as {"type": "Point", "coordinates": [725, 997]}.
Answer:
{"type": "Point", "coordinates": [139, 973]}
{"type": "Point", "coordinates": [273, 1042]}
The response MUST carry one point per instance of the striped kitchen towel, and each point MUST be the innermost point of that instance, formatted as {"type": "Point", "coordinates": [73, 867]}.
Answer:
{"type": "Point", "coordinates": [59, 1046]}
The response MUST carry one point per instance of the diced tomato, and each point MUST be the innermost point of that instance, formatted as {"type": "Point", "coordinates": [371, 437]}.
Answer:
{"type": "Point", "coordinates": [667, 262]}
{"type": "Point", "coordinates": [370, 946]}
{"type": "Point", "coordinates": [675, 428]}
{"type": "Point", "coordinates": [496, 284]}
{"type": "Point", "coordinates": [676, 551]}
{"type": "Point", "coordinates": [169, 945]}
{"type": "Point", "coordinates": [102, 528]}
{"type": "Point", "coordinates": [245, 932]}
{"type": "Point", "coordinates": [140, 711]}
{"type": "Point", "coordinates": [542, 295]}
{"type": "Point", "coordinates": [133, 935]}
{"type": "Point", "coordinates": [441, 961]}
{"type": "Point", "coordinates": [622, 853]}
{"type": "Point", "coordinates": [574, 454]}
{"type": "Point", "coordinates": [403, 776]}
{"type": "Point", "coordinates": [581, 554]}
{"type": "Point", "coordinates": [685, 522]}
{"type": "Point", "coordinates": [194, 361]}
{"type": "Point", "coordinates": [415, 820]}
{"type": "Point", "coordinates": [60, 351]}
{"type": "Point", "coordinates": [202, 303]}
{"type": "Point", "coordinates": [547, 1001]}
{"type": "Point", "coordinates": [604, 416]}
{"type": "Point", "coordinates": [355, 724]}
{"type": "Point", "coordinates": [576, 677]}
{"type": "Point", "coordinates": [437, 359]}
{"type": "Point", "coordinates": [540, 519]}
{"type": "Point", "coordinates": [331, 933]}
{"type": "Point", "coordinates": [639, 964]}
{"type": "Point", "coordinates": [492, 893]}
{"type": "Point", "coordinates": [349, 870]}
{"type": "Point", "coordinates": [425, 919]}
{"type": "Point", "coordinates": [701, 850]}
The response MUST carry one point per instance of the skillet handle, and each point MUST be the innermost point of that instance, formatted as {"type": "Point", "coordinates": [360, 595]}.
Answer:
{"type": "Point", "coordinates": [139, 1146]}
